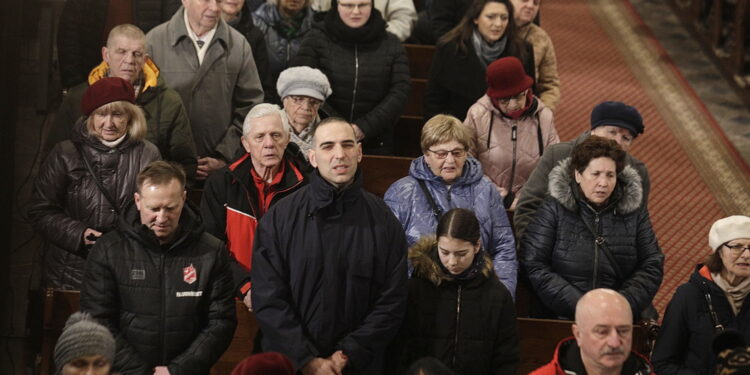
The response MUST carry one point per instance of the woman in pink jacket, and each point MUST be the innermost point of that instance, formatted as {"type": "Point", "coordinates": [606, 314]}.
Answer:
{"type": "Point", "coordinates": [512, 127]}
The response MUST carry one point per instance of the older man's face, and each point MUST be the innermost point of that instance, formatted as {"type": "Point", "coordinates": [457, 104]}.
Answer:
{"type": "Point", "coordinates": [125, 57]}
{"type": "Point", "coordinates": [604, 331]}
{"type": "Point", "coordinates": [266, 142]}
{"type": "Point", "coordinates": [525, 11]}
{"type": "Point", "coordinates": [202, 15]}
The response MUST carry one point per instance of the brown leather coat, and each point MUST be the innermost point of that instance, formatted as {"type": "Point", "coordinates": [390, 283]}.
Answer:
{"type": "Point", "coordinates": [66, 200]}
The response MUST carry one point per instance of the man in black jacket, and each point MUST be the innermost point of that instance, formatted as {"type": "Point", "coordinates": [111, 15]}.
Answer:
{"type": "Point", "coordinates": [329, 266]}
{"type": "Point", "coordinates": [160, 283]}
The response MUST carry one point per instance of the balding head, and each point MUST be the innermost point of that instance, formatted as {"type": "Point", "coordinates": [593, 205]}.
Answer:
{"type": "Point", "coordinates": [603, 330]}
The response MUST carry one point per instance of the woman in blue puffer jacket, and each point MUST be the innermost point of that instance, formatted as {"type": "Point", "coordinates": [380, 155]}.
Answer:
{"type": "Point", "coordinates": [448, 176]}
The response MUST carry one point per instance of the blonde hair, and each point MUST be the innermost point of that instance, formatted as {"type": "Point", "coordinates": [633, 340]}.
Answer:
{"type": "Point", "coordinates": [127, 30]}
{"type": "Point", "coordinates": [137, 126]}
{"type": "Point", "coordinates": [445, 128]}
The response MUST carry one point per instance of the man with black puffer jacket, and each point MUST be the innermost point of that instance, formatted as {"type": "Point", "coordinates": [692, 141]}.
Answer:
{"type": "Point", "coordinates": [160, 283]}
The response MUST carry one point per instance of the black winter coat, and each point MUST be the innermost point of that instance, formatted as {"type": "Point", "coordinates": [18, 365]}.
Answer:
{"type": "Point", "coordinates": [563, 259]}
{"type": "Point", "coordinates": [66, 200]}
{"type": "Point", "coordinates": [80, 33]}
{"type": "Point", "coordinates": [143, 293]}
{"type": "Point", "coordinates": [370, 82]}
{"type": "Point", "coordinates": [686, 334]}
{"type": "Point", "coordinates": [329, 273]}
{"type": "Point", "coordinates": [246, 26]}
{"type": "Point", "coordinates": [459, 79]}
{"type": "Point", "coordinates": [469, 325]}
{"type": "Point", "coordinates": [231, 192]}
{"type": "Point", "coordinates": [446, 14]}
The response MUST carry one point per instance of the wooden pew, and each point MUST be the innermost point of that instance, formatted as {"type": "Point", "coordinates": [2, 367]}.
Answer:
{"type": "Point", "coordinates": [415, 102]}
{"type": "Point", "coordinates": [539, 337]}
{"type": "Point", "coordinates": [379, 172]}
{"type": "Point", "coordinates": [407, 136]}
{"type": "Point", "coordinates": [420, 59]}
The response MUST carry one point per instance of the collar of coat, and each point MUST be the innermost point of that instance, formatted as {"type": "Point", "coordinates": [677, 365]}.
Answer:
{"type": "Point", "coordinates": [426, 267]}
{"type": "Point", "coordinates": [177, 30]}
{"type": "Point", "coordinates": [328, 200]}
{"type": "Point", "coordinates": [150, 73]}
{"type": "Point", "coordinates": [628, 192]}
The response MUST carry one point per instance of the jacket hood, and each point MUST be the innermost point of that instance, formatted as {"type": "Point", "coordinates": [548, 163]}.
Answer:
{"type": "Point", "coordinates": [470, 175]}
{"type": "Point", "coordinates": [425, 266]}
{"type": "Point", "coordinates": [150, 73]}
{"type": "Point", "coordinates": [567, 360]}
{"type": "Point", "coordinates": [189, 230]}
{"type": "Point", "coordinates": [628, 192]}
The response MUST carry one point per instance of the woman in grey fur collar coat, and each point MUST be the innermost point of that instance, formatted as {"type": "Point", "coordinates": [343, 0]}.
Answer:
{"type": "Point", "coordinates": [591, 232]}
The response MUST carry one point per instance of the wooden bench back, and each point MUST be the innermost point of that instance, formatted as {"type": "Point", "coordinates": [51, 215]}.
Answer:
{"type": "Point", "coordinates": [539, 337]}
{"type": "Point", "coordinates": [379, 172]}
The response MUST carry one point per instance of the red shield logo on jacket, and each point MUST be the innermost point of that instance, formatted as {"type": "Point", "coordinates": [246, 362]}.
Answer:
{"type": "Point", "coordinates": [189, 274]}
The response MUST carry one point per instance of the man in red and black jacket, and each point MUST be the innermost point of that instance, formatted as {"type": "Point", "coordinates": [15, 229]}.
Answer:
{"type": "Point", "coordinates": [238, 195]}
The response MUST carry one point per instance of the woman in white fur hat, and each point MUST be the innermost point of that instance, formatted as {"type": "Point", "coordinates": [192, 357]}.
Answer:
{"type": "Point", "coordinates": [711, 302]}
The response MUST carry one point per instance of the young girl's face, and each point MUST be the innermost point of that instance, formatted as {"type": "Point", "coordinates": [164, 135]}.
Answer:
{"type": "Point", "coordinates": [456, 255]}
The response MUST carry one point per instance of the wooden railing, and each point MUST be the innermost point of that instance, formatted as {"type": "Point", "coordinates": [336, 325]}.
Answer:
{"type": "Point", "coordinates": [721, 27]}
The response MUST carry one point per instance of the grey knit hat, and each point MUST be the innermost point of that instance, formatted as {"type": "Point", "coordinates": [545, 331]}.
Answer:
{"type": "Point", "coordinates": [83, 336]}
{"type": "Point", "coordinates": [304, 81]}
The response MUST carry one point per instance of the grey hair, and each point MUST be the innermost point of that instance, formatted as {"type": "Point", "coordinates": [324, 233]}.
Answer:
{"type": "Point", "coordinates": [262, 110]}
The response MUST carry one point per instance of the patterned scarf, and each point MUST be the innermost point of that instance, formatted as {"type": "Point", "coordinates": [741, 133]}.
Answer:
{"type": "Point", "coordinates": [487, 52]}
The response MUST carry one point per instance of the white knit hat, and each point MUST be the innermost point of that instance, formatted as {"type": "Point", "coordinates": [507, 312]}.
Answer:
{"type": "Point", "coordinates": [728, 229]}
{"type": "Point", "coordinates": [304, 81]}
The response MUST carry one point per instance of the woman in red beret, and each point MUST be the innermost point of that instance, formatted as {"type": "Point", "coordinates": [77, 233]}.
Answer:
{"type": "Point", "coordinates": [512, 127]}
{"type": "Point", "coordinates": [87, 180]}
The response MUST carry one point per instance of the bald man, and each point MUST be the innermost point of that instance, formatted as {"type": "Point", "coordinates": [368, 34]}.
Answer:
{"type": "Point", "coordinates": [603, 335]}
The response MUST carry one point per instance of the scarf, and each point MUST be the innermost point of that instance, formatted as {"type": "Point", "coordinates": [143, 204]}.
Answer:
{"type": "Point", "coordinates": [735, 294]}
{"type": "Point", "coordinates": [371, 31]}
{"type": "Point", "coordinates": [113, 144]}
{"type": "Point", "coordinates": [527, 110]}
{"type": "Point", "coordinates": [289, 27]}
{"type": "Point", "coordinates": [486, 52]}
{"type": "Point", "coordinates": [469, 273]}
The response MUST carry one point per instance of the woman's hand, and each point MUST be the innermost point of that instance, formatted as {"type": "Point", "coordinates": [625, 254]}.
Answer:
{"type": "Point", "coordinates": [90, 236]}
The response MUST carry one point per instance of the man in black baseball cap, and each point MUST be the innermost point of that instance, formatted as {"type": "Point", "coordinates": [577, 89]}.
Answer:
{"type": "Point", "coordinates": [614, 120]}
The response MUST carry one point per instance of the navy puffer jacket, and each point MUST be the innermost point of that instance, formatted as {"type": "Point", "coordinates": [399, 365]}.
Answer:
{"type": "Point", "coordinates": [563, 258]}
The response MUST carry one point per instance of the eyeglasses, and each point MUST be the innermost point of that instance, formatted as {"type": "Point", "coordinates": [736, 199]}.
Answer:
{"type": "Point", "coordinates": [737, 250]}
{"type": "Point", "coordinates": [351, 7]}
{"type": "Point", "coordinates": [506, 101]}
{"type": "Point", "coordinates": [299, 100]}
{"type": "Point", "coordinates": [442, 154]}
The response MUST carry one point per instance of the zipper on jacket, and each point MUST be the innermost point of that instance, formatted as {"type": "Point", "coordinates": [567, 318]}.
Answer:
{"type": "Point", "coordinates": [514, 140]}
{"type": "Point", "coordinates": [596, 252]}
{"type": "Point", "coordinates": [458, 320]}
{"type": "Point", "coordinates": [162, 318]}
{"type": "Point", "coordinates": [356, 81]}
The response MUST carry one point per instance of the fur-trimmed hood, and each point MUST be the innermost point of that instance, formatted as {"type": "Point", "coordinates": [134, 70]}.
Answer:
{"type": "Point", "coordinates": [628, 193]}
{"type": "Point", "coordinates": [426, 267]}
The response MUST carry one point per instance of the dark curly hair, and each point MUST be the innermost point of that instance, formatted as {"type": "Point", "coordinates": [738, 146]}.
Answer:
{"type": "Point", "coordinates": [596, 147]}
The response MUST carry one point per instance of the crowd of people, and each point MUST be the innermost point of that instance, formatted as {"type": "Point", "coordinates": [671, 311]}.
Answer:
{"type": "Point", "coordinates": [268, 109]}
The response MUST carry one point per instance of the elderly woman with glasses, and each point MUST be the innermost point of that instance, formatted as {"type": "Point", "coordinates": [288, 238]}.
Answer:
{"type": "Point", "coordinates": [446, 177]}
{"type": "Point", "coordinates": [512, 127]}
{"type": "Point", "coordinates": [302, 90]}
{"type": "Point", "coordinates": [711, 302]}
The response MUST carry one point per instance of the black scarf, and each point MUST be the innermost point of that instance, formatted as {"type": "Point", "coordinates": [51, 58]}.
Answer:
{"type": "Point", "coordinates": [371, 31]}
